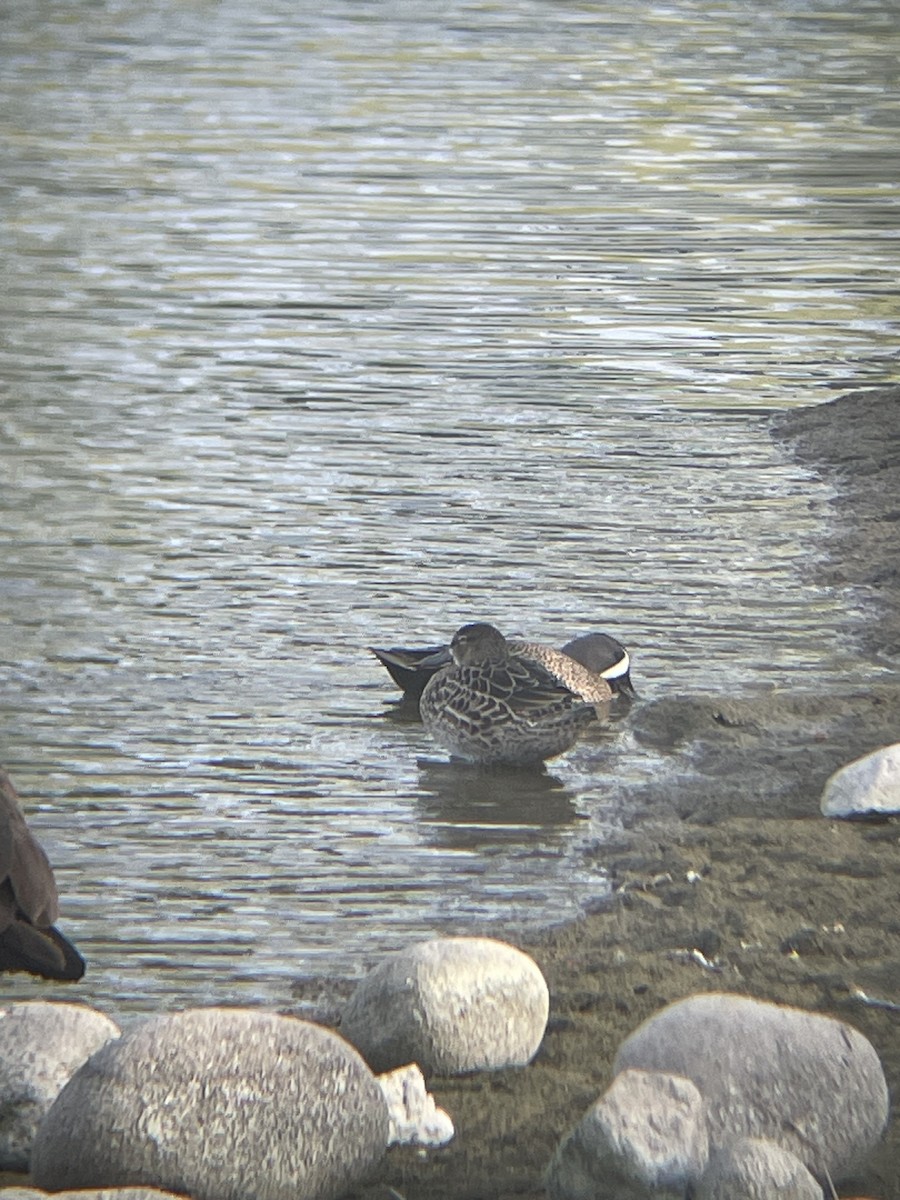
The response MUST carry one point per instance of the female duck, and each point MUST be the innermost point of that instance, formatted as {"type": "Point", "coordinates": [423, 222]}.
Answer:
{"type": "Point", "coordinates": [494, 705]}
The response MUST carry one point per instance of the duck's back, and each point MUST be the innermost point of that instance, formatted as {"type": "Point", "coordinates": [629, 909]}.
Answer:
{"type": "Point", "coordinates": [567, 671]}
{"type": "Point", "coordinates": [512, 712]}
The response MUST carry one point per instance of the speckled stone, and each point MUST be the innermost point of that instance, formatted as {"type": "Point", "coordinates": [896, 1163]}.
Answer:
{"type": "Point", "coordinates": [868, 786]}
{"type": "Point", "coordinates": [41, 1046]}
{"type": "Point", "coordinates": [126, 1193]}
{"type": "Point", "coordinates": [753, 1169]}
{"type": "Point", "coordinates": [223, 1104]}
{"type": "Point", "coordinates": [808, 1083]}
{"type": "Point", "coordinates": [450, 1005]}
{"type": "Point", "coordinates": [644, 1139]}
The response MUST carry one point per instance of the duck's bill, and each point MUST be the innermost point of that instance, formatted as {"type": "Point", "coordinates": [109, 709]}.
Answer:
{"type": "Point", "coordinates": [622, 686]}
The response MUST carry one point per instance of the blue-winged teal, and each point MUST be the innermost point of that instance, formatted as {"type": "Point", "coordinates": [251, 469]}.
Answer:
{"type": "Point", "coordinates": [598, 653]}
{"type": "Point", "coordinates": [494, 705]}
{"type": "Point", "coordinates": [28, 900]}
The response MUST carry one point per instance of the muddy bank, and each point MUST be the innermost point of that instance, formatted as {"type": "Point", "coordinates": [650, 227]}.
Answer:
{"type": "Point", "coordinates": [727, 878]}
{"type": "Point", "coordinates": [854, 443]}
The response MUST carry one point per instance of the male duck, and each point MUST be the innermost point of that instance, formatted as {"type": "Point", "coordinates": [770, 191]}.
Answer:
{"type": "Point", "coordinates": [579, 665]}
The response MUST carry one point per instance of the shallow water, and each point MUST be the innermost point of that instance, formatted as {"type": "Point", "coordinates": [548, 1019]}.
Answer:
{"type": "Point", "coordinates": [337, 328]}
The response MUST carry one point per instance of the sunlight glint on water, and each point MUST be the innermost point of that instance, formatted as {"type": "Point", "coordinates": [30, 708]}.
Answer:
{"type": "Point", "coordinates": [330, 329]}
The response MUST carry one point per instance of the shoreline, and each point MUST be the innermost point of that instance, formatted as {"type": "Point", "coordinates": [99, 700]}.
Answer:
{"type": "Point", "coordinates": [728, 879]}
{"type": "Point", "coordinates": [724, 878]}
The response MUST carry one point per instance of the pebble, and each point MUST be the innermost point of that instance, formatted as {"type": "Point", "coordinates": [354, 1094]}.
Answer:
{"type": "Point", "coordinates": [809, 1083]}
{"type": "Point", "coordinates": [644, 1139]}
{"type": "Point", "coordinates": [450, 1005]}
{"type": "Point", "coordinates": [868, 786]}
{"type": "Point", "coordinates": [753, 1169]}
{"type": "Point", "coordinates": [223, 1104]}
{"type": "Point", "coordinates": [41, 1046]}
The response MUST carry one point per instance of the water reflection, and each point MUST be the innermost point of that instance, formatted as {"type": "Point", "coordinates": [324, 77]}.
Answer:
{"type": "Point", "coordinates": [403, 711]}
{"type": "Point", "coordinates": [322, 327]}
{"type": "Point", "coordinates": [463, 806]}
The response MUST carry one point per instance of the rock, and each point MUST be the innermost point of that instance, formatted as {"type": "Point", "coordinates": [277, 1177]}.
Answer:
{"type": "Point", "coordinates": [451, 1005]}
{"type": "Point", "coordinates": [809, 1083]}
{"type": "Point", "coordinates": [41, 1045]}
{"type": "Point", "coordinates": [645, 1137]}
{"type": "Point", "coordinates": [752, 1169]}
{"type": "Point", "coordinates": [223, 1104]}
{"type": "Point", "coordinates": [125, 1193]}
{"type": "Point", "coordinates": [415, 1120]}
{"type": "Point", "coordinates": [867, 786]}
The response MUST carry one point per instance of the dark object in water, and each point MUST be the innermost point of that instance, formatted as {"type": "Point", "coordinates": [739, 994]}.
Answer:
{"type": "Point", "coordinates": [29, 903]}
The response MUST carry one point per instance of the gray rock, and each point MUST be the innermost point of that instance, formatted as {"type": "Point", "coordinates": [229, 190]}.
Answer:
{"type": "Point", "coordinates": [126, 1193]}
{"type": "Point", "coordinates": [644, 1138]}
{"type": "Point", "coordinates": [450, 1005]}
{"type": "Point", "coordinates": [865, 787]}
{"type": "Point", "coordinates": [752, 1169]}
{"type": "Point", "coordinates": [811, 1084]}
{"type": "Point", "coordinates": [223, 1104]}
{"type": "Point", "coordinates": [41, 1045]}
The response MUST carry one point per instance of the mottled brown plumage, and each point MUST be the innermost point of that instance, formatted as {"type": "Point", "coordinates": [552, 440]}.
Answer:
{"type": "Point", "coordinates": [587, 685]}
{"type": "Point", "coordinates": [493, 705]}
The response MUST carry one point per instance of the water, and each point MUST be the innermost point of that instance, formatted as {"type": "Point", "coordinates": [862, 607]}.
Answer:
{"type": "Point", "coordinates": [343, 326]}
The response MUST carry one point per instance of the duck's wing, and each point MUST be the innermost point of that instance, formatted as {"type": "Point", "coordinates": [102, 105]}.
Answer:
{"type": "Point", "coordinates": [523, 688]}
{"type": "Point", "coordinates": [540, 698]}
{"type": "Point", "coordinates": [586, 683]}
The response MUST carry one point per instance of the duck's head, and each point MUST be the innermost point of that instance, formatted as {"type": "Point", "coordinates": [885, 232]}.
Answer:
{"type": "Point", "coordinates": [477, 643]}
{"type": "Point", "coordinates": [605, 656]}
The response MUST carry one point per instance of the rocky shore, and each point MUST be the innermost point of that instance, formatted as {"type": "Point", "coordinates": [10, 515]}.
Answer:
{"type": "Point", "coordinates": [729, 879]}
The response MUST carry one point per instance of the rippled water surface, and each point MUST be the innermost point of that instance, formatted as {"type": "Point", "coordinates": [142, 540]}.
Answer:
{"type": "Point", "coordinates": [325, 326]}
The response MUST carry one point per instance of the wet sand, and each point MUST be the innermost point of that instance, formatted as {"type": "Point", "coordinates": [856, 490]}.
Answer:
{"type": "Point", "coordinates": [733, 860]}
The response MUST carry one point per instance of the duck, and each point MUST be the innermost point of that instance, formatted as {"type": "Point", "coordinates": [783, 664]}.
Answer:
{"type": "Point", "coordinates": [29, 902]}
{"type": "Point", "coordinates": [600, 654]}
{"type": "Point", "coordinates": [495, 705]}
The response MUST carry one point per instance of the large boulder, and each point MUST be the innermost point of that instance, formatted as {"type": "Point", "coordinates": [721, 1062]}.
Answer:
{"type": "Point", "coordinates": [41, 1046]}
{"type": "Point", "coordinates": [223, 1104]}
{"type": "Point", "coordinates": [752, 1169]}
{"type": "Point", "coordinates": [868, 786]}
{"type": "Point", "coordinates": [644, 1139]}
{"type": "Point", "coordinates": [450, 1005]}
{"type": "Point", "coordinates": [808, 1083]}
